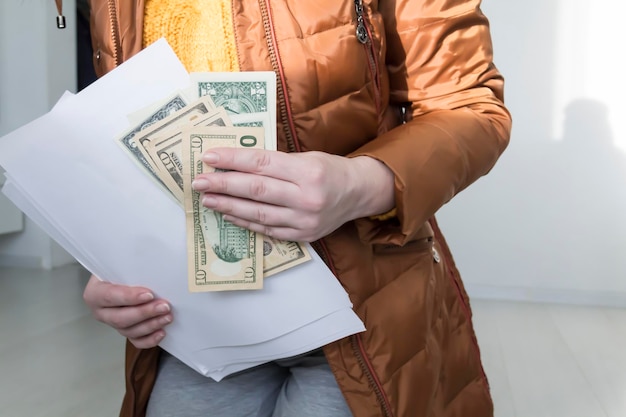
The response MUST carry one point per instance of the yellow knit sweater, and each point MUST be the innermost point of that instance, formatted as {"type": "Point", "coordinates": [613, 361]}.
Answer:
{"type": "Point", "coordinates": [199, 31]}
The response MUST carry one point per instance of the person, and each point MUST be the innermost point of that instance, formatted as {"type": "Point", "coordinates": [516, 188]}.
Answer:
{"type": "Point", "coordinates": [386, 110]}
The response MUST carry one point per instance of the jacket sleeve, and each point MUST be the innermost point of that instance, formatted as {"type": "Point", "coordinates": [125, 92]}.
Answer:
{"type": "Point", "coordinates": [439, 59]}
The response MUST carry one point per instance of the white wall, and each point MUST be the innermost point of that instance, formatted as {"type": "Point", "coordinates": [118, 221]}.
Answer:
{"type": "Point", "coordinates": [11, 218]}
{"type": "Point", "coordinates": [549, 221]}
{"type": "Point", "coordinates": [37, 64]}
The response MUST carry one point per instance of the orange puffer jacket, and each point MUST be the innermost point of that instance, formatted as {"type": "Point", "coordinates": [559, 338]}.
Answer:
{"type": "Point", "coordinates": [412, 84]}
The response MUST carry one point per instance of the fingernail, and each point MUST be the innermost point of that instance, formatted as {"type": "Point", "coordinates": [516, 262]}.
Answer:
{"type": "Point", "coordinates": [163, 308]}
{"type": "Point", "coordinates": [201, 183]}
{"type": "Point", "coordinates": [210, 157]}
{"type": "Point", "coordinates": [209, 201]}
{"type": "Point", "coordinates": [159, 336]}
{"type": "Point", "coordinates": [146, 296]}
{"type": "Point", "coordinates": [166, 319]}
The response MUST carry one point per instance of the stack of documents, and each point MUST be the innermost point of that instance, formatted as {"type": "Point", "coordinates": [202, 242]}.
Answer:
{"type": "Point", "coordinates": [65, 172]}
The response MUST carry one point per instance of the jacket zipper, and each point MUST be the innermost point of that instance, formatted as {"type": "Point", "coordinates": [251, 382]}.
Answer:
{"type": "Point", "coordinates": [466, 308]}
{"type": "Point", "coordinates": [358, 349]}
{"type": "Point", "coordinates": [357, 342]}
{"type": "Point", "coordinates": [286, 118]}
{"type": "Point", "coordinates": [115, 33]}
{"type": "Point", "coordinates": [364, 36]}
{"type": "Point", "coordinates": [404, 108]}
{"type": "Point", "coordinates": [283, 99]}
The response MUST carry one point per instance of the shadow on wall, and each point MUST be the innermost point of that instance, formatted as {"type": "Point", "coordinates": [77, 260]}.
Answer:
{"type": "Point", "coordinates": [582, 193]}
{"type": "Point", "coordinates": [554, 211]}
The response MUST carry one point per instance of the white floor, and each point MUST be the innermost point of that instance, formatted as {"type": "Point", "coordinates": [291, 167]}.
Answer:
{"type": "Point", "coordinates": [55, 360]}
{"type": "Point", "coordinates": [542, 360]}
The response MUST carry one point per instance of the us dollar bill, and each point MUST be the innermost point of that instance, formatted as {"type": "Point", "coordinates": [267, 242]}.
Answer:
{"type": "Point", "coordinates": [166, 149]}
{"type": "Point", "coordinates": [159, 112]}
{"type": "Point", "coordinates": [138, 116]}
{"type": "Point", "coordinates": [176, 120]}
{"type": "Point", "coordinates": [221, 256]}
{"type": "Point", "coordinates": [257, 119]}
{"type": "Point", "coordinates": [280, 255]}
{"type": "Point", "coordinates": [239, 92]}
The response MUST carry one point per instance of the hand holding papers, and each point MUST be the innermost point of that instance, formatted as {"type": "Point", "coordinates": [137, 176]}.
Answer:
{"type": "Point", "coordinates": [66, 172]}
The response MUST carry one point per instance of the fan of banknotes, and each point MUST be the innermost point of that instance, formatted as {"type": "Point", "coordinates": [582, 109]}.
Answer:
{"type": "Point", "coordinates": [167, 142]}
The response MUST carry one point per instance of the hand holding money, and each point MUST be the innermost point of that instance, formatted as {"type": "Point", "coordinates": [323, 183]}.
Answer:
{"type": "Point", "coordinates": [289, 196]}
{"type": "Point", "coordinates": [168, 142]}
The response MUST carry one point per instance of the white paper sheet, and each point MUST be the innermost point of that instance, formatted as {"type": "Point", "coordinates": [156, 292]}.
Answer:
{"type": "Point", "coordinates": [66, 172]}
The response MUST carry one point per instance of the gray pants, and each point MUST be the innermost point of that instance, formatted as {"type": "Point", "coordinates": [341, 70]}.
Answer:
{"type": "Point", "coordinates": [303, 386]}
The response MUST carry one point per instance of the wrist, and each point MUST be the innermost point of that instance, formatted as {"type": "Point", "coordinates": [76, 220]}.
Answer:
{"type": "Point", "coordinates": [375, 190]}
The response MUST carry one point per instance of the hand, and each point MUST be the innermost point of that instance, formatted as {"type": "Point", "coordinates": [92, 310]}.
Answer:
{"type": "Point", "coordinates": [132, 311]}
{"type": "Point", "coordinates": [294, 196]}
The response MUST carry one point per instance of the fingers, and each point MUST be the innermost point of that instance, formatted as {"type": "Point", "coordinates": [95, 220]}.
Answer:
{"type": "Point", "coordinates": [135, 321]}
{"type": "Point", "coordinates": [149, 341]}
{"type": "Point", "coordinates": [277, 232]}
{"type": "Point", "coordinates": [132, 311]}
{"type": "Point", "coordinates": [274, 164]}
{"type": "Point", "coordinates": [147, 334]}
{"type": "Point", "coordinates": [250, 187]}
{"type": "Point", "coordinates": [252, 211]}
{"type": "Point", "coordinates": [277, 194]}
{"type": "Point", "coordinates": [100, 294]}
